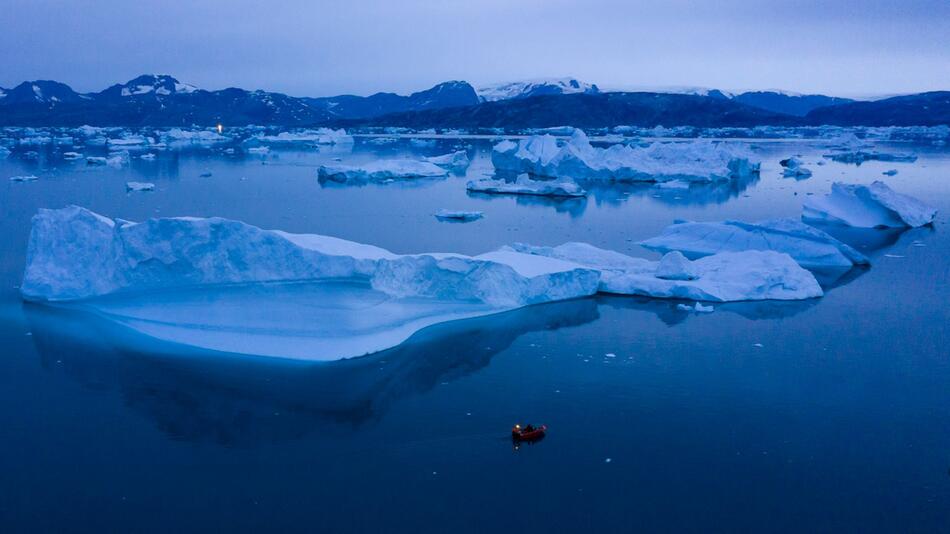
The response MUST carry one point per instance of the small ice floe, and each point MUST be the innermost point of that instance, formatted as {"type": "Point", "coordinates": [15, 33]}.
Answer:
{"type": "Point", "coordinates": [860, 156]}
{"type": "Point", "coordinates": [524, 185]}
{"type": "Point", "coordinates": [895, 256]}
{"type": "Point", "coordinates": [24, 178]}
{"type": "Point", "coordinates": [258, 150]}
{"type": "Point", "coordinates": [687, 161]}
{"type": "Point", "coordinates": [758, 345]}
{"type": "Point", "coordinates": [206, 174]}
{"type": "Point", "coordinates": [139, 186]}
{"type": "Point", "coordinates": [320, 136]}
{"type": "Point", "coordinates": [867, 206]}
{"type": "Point", "coordinates": [793, 168]}
{"type": "Point", "coordinates": [111, 161]}
{"type": "Point", "coordinates": [422, 143]}
{"type": "Point", "coordinates": [382, 140]}
{"type": "Point", "coordinates": [456, 161]}
{"type": "Point", "coordinates": [890, 172]}
{"type": "Point", "coordinates": [381, 170]}
{"type": "Point", "coordinates": [72, 155]}
{"type": "Point", "coordinates": [148, 157]}
{"type": "Point", "coordinates": [458, 216]}
{"type": "Point", "coordinates": [697, 307]}
{"type": "Point", "coordinates": [809, 246]}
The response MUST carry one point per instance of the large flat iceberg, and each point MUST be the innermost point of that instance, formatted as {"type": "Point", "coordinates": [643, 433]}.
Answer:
{"type": "Point", "coordinates": [867, 206]}
{"type": "Point", "coordinates": [810, 247]}
{"type": "Point", "coordinates": [381, 170]}
{"type": "Point", "coordinates": [524, 185]}
{"type": "Point", "coordinates": [689, 161]}
{"type": "Point", "coordinates": [190, 281]}
{"type": "Point", "coordinates": [723, 277]}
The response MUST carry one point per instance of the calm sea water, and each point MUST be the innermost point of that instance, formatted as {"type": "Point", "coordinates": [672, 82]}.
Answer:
{"type": "Point", "coordinates": [832, 414]}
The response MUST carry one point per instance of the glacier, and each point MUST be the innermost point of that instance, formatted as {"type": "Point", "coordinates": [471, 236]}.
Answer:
{"type": "Point", "coordinates": [381, 170]}
{"type": "Point", "coordinates": [688, 161]}
{"type": "Point", "coordinates": [809, 246]}
{"type": "Point", "coordinates": [524, 185]}
{"type": "Point", "coordinates": [867, 206]}
{"type": "Point", "coordinates": [194, 281]}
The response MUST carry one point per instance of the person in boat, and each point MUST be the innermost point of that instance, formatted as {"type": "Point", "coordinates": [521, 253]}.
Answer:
{"type": "Point", "coordinates": [529, 428]}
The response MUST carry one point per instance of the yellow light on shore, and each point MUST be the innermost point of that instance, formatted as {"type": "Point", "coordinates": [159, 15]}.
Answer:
{"type": "Point", "coordinates": [220, 127]}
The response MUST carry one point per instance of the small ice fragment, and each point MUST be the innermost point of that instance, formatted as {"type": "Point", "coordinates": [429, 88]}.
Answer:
{"type": "Point", "coordinates": [893, 256]}
{"type": "Point", "coordinates": [758, 345]}
{"type": "Point", "coordinates": [24, 178]}
{"type": "Point", "coordinates": [139, 186]}
{"type": "Point", "coordinates": [458, 216]}
{"type": "Point", "coordinates": [610, 355]}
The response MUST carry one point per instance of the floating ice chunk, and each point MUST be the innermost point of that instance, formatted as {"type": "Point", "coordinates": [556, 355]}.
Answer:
{"type": "Point", "coordinates": [860, 156]}
{"type": "Point", "coordinates": [675, 266]}
{"type": "Point", "coordinates": [72, 155]}
{"type": "Point", "coordinates": [460, 216]}
{"type": "Point", "coordinates": [258, 150]}
{"type": "Point", "coordinates": [24, 178]}
{"type": "Point", "coordinates": [793, 168]}
{"type": "Point", "coordinates": [422, 143]}
{"type": "Point", "coordinates": [112, 161]}
{"type": "Point", "coordinates": [867, 206]}
{"type": "Point", "coordinates": [132, 140]}
{"type": "Point", "coordinates": [809, 246]}
{"type": "Point", "coordinates": [526, 186]}
{"type": "Point", "coordinates": [139, 186]}
{"type": "Point", "coordinates": [147, 157]}
{"type": "Point", "coordinates": [381, 170]}
{"type": "Point", "coordinates": [382, 140]}
{"type": "Point", "coordinates": [456, 161]}
{"type": "Point", "coordinates": [690, 161]}
{"type": "Point", "coordinates": [320, 136]}
{"type": "Point", "coordinates": [723, 277]}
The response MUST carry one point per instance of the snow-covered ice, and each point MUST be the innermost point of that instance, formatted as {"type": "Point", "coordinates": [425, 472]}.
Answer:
{"type": "Point", "coordinates": [320, 136]}
{"type": "Point", "coordinates": [690, 161]}
{"type": "Point", "coordinates": [456, 215]}
{"type": "Point", "coordinates": [380, 170]}
{"type": "Point", "coordinates": [524, 185]}
{"type": "Point", "coordinates": [867, 206]}
{"type": "Point", "coordinates": [809, 246]}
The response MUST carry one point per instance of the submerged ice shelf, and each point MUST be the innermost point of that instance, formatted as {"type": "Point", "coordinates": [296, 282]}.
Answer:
{"type": "Point", "coordinates": [209, 282]}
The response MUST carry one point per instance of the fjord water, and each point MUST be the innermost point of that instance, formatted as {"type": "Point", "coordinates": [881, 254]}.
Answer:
{"type": "Point", "coordinates": [817, 415]}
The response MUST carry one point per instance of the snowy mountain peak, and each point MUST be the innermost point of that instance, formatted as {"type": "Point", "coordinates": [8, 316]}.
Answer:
{"type": "Point", "coordinates": [527, 88]}
{"type": "Point", "coordinates": [157, 84]}
{"type": "Point", "coordinates": [40, 92]}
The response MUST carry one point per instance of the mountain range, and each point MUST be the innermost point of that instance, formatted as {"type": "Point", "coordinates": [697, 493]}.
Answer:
{"type": "Point", "coordinates": [162, 100]}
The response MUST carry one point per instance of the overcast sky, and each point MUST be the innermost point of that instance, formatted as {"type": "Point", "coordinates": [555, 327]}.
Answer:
{"type": "Point", "coordinates": [318, 48]}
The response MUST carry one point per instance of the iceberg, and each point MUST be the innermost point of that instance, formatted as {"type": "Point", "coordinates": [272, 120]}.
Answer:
{"type": "Point", "coordinates": [112, 161]}
{"type": "Point", "coordinates": [74, 253]}
{"type": "Point", "coordinates": [793, 168]}
{"type": "Point", "coordinates": [456, 161]}
{"type": "Point", "coordinates": [524, 185]}
{"type": "Point", "coordinates": [381, 170]}
{"type": "Point", "coordinates": [809, 246]}
{"type": "Point", "coordinates": [320, 136]}
{"type": "Point", "coordinates": [24, 178]}
{"type": "Point", "coordinates": [139, 186]}
{"type": "Point", "coordinates": [688, 161]}
{"type": "Point", "coordinates": [458, 216]}
{"type": "Point", "coordinates": [867, 206]}
{"type": "Point", "coordinates": [858, 157]}
{"type": "Point", "coordinates": [722, 277]}
{"type": "Point", "coordinates": [72, 155]}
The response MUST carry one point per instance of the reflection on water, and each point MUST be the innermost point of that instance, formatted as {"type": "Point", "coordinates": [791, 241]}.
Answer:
{"type": "Point", "coordinates": [671, 193]}
{"type": "Point", "coordinates": [216, 397]}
